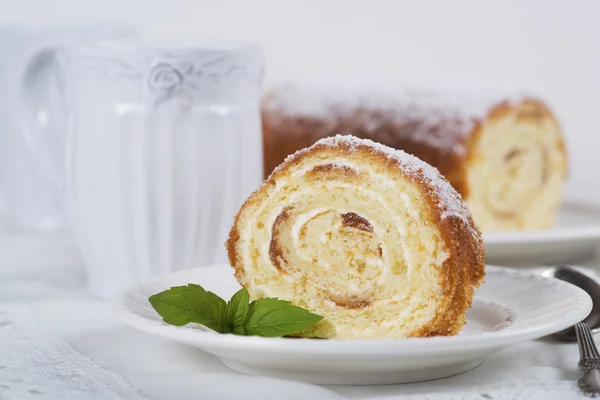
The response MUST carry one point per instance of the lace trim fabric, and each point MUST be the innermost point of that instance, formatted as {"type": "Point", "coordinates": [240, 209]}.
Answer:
{"type": "Point", "coordinates": [483, 383]}
{"type": "Point", "coordinates": [35, 365]}
{"type": "Point", "coordinates": [521, 391]}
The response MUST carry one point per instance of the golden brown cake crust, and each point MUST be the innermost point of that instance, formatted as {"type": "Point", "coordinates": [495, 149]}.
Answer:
{"type": "Point", "coordinates": [285, 132]}
{"type": "Point", "coordinates": [464, 268]}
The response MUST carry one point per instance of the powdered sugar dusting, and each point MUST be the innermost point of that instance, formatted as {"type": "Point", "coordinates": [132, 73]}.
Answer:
{"type": "Point", "coordinates": [320, 100]}
{"type": "Point", "coordinates": [450, 201]}
{"type": "Point", "coordinates": [423, 111]}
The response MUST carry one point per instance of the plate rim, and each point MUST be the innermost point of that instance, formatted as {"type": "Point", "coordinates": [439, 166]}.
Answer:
{"type": "Point", "coordinates": [525, 238]}
{"type": "Point", "coordinates": [588, 233]}
{"type": "Point", "coordinates": [304, 346]}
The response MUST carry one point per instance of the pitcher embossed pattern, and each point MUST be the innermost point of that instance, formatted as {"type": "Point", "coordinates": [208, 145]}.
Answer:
{"type": "Point", "coordinates": [163, 146]}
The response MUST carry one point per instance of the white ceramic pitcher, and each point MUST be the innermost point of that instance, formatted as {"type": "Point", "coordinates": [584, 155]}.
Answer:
{"type": "Point", "coordinates": [163, 146]}
{"type": "Point", "coordinates": [32, 202]}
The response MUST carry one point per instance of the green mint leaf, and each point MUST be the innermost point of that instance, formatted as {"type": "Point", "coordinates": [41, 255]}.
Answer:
{"type": "Point", "coordinates": [239, 330]}
{"type": "Point", "coordinates": [237, 309]}
{"type": "Point", "coordinates": [213, 304]}
{"type": "Point", "coordinates": [269, 317]}
{"type": "Point", "coordinates": [181, 305]}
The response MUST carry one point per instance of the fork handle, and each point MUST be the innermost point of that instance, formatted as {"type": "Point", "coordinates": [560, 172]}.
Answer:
{"type": "Point", "coordinates": [589, 361]}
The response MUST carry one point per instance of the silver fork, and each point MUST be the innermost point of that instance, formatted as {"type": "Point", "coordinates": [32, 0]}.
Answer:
{"type": "Point", "coordinates": [589, 361]}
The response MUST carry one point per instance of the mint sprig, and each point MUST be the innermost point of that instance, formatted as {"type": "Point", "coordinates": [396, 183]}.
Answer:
{"type": "Point", "coordinates": [267, 317]}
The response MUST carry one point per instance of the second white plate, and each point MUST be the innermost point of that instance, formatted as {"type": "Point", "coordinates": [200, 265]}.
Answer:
{"type": "Point", "coordinates": [576, 235]}
{"type": "Point", "coordinates": [511, 307]}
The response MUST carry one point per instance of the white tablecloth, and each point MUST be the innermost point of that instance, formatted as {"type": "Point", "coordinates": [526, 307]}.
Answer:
{"type": "Point", "coordinates": [57, 342]}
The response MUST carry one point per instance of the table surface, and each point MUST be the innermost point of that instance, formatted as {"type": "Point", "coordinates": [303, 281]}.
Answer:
{"type": "Point", "coordinates": [58, 341]}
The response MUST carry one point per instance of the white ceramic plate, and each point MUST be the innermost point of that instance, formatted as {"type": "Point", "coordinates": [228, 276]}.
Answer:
{"type": "Point", "coordinates": [512, 306]}
{"type": "Point", "coordinates": [576, 236]}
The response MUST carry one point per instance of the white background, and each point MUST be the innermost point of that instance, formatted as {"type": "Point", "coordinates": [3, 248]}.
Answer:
{"type": "Point", "coordinates": [548, 46]}
{"type": "Point", "coordinates": [551, 47]}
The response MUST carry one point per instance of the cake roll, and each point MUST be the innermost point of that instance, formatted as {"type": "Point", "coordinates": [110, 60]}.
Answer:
{"type": "Point", "coordinates": [371, 238]}
{"type": "Point", "coordinates": [502, 151]}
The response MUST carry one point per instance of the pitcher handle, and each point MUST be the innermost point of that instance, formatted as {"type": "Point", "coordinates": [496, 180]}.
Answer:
{"type": "Point", "coordinates": [40, 126]}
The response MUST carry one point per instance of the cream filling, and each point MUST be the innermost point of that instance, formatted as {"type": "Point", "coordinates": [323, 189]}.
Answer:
{"type": "Point", "coordinates": [387, 274]}
{"type": "Point", "coordinates": [403, 269]}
